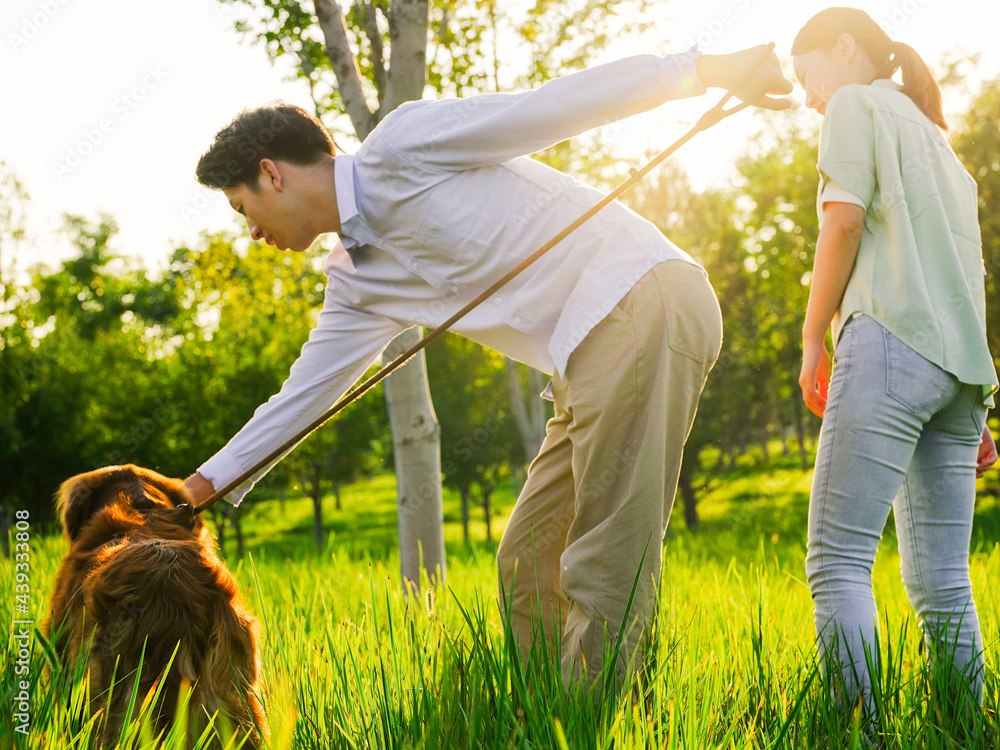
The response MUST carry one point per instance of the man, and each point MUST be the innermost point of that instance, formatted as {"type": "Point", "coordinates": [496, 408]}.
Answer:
{"type": "Point", "coordinates": [439, 202]}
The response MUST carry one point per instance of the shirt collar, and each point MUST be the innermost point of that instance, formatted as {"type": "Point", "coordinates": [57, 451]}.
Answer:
{"type": "Point", "coordinates": [887, 83]}
{"type": "Point", "coordinates": [343, 182]}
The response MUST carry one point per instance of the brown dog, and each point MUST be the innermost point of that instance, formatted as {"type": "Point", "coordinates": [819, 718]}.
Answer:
{"type": "Point", "coordinates": [142, 580]}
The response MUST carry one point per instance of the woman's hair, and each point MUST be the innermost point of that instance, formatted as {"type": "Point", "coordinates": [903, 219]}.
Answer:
{"type": "Point", "coordinates": [822, 31]}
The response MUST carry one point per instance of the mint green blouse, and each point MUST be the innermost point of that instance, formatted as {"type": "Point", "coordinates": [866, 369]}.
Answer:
{"type": "Point", "coordinates": [919, 270]}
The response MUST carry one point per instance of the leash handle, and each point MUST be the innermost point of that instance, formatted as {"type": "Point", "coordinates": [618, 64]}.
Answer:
{"type": "Point", "coordinates": [707, 120]}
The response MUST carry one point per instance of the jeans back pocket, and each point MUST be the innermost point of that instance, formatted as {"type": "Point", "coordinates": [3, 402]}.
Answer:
{"type": "Point", "coordinates": [914, 381]}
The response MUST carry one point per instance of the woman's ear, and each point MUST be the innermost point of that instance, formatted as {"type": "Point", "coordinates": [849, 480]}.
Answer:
{"type": "Point", "coordinates": [845, 47]}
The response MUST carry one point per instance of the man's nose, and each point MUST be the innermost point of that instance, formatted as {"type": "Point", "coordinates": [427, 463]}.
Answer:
{"type": "Point", "coordinates": [812, 101]}
{"type": "Point", "coordinates": [255, 232]}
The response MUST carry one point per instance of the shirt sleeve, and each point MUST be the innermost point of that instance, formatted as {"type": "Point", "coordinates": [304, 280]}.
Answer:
{"type": "Point", "coordinates": [455, 134]}
{"type": "Point", "coordinates": [344, 343]}
{"type": "Point", "coordinates": [834, 193]}
{"type": "Point", "coordinates": [847, 144]}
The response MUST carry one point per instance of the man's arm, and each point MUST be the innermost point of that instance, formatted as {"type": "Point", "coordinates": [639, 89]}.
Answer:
{"type": "Point", "coordinates": [344, 343]}
{"type": "Point", "coordinates": [487, 129]}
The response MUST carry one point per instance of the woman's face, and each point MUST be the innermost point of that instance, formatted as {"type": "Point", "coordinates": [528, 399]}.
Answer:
{"type": "Point", "coordinates": [822, 71]}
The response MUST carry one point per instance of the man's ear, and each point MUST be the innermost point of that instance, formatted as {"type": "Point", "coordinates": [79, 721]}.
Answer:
{"type": "Point", "coordinates": [270, 172]}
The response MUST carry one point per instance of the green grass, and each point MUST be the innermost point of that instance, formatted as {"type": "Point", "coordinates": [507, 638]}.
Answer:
{"type": "Point", "coordinates": [351, 662]}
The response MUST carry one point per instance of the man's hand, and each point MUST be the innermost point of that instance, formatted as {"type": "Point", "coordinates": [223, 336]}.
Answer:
{"type": "Point", "coordinates": [987, 453]}
{"type": "Point", "coordinates": [815, 378]}
{"type": "Point", "coordinates": [199, 487]}
{"type": "Point", "coordinates": [729, 71]}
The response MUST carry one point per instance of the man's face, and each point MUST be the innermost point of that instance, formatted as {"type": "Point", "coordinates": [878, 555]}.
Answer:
{"type": "Point", "coordinates": [273, 213]}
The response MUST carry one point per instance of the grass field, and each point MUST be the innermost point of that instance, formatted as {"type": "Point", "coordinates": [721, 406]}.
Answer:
{"type": "Point", "coordinates": [350, 662]}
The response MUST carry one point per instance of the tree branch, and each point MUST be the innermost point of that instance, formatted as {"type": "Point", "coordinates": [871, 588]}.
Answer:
{"type": "Point", "coordinates": [375, 39]}
{"type": "Point", "coordinates": [345, 66]}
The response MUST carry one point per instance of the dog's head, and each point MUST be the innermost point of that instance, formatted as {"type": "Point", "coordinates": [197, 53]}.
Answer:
{"type": "Point", "coordinates": [129, 494]}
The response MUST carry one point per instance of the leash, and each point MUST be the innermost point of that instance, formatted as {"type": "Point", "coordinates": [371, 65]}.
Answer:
{"type": "Point", "coordinates": [708, 119]}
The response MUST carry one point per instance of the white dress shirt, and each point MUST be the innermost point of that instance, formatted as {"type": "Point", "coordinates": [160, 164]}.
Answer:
{"type": "Point", "coordinates": [438, 203]}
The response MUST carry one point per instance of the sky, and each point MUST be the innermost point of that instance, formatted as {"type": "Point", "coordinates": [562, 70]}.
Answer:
{"type": "Point", "coordinates": [109, 103]}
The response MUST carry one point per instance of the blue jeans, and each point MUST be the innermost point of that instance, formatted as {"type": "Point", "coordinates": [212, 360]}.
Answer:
{"type": "Point", "coordinates": [899, 432]}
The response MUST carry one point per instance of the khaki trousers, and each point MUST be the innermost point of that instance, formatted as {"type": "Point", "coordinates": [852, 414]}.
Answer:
{"type": "Point", "coordinates": [599, 494]}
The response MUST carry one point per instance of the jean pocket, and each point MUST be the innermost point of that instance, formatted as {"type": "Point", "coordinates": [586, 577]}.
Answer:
{"type": "Point", "coordinates": [914, 381]}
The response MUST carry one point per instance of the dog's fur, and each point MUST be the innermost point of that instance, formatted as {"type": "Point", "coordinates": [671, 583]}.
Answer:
{"type": "Point", "coordinates": [142, 579]}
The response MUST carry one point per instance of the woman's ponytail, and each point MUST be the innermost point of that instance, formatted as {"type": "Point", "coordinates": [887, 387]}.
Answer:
{"type": "Point", "coordinates": [918, 82]}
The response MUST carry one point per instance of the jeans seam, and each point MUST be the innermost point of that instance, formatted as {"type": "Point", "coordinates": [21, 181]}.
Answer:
{"type": "Point", "coordinates": [826, 485]}
{"type": "Point", "coordinates": [918, 568]}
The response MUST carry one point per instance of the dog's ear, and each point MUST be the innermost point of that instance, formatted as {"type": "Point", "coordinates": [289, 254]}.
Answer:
{"type": "Point", "coordinates": [80, 497]}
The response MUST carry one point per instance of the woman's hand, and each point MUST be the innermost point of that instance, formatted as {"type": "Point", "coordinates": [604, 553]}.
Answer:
{"type": "Point", "coordinates": [815, 377]}
{"type": "Point", "coordinates": [987, 453]}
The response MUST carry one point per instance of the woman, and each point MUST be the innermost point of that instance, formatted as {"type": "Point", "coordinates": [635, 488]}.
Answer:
{"type": "Point", "coordinates": [898, 273]}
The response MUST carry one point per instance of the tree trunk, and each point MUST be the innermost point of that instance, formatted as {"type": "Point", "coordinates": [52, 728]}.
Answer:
{"type": "Point", "coordinates": [690, 500]}
{"type": "Point", "coordinates": [415, 431]}
{"type": "Point", "coordinates": [220, 533]}
{"type": "Point", "coordinates": [487, 494]}
{"type": "Point", "coordinates": [336, 494]}
{"type": "Point", "coordinates": [529, 413]}
{"type": "Point", "coordinates": [238, 530]}
{"type": "Point", "coordinates": [800, 430]}
{"type": "Point", "coordinates": [465, 514]}
{"type": "Point", "coordinates": [416, 437]}
{"type": "Point", "coordinates": [5, 515]}
{"type": "Point", "coordinates": [317, 499]}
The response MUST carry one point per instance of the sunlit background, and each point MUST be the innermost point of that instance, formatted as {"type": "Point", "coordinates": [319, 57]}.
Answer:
{"type": "Point", "coordinates": [109, 103]}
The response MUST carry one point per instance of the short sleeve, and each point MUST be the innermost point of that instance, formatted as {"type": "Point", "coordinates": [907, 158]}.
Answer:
{"type": "Point", "coordinates": [847, 144]}
{"type": "Point", "coordinates": [833, 192]}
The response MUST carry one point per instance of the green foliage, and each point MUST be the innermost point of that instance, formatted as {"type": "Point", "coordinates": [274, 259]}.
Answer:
{"type": "Point", "coordinates": [102, 364]}
{"type": "Point", "coordinates": [479, 439]}
{"type": "Point", "coordinates": [252, 308]}
{"type": "Point", "coordinates": [13, 222]}
{"type": "Point", "coordinates": [352, 445]}
{"type": "Point", "coordinates": [70, 340]}
{"type": "Point", "coordinates": [977, 144]}
{"type": "Point", "coordinates": [755, 238]}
